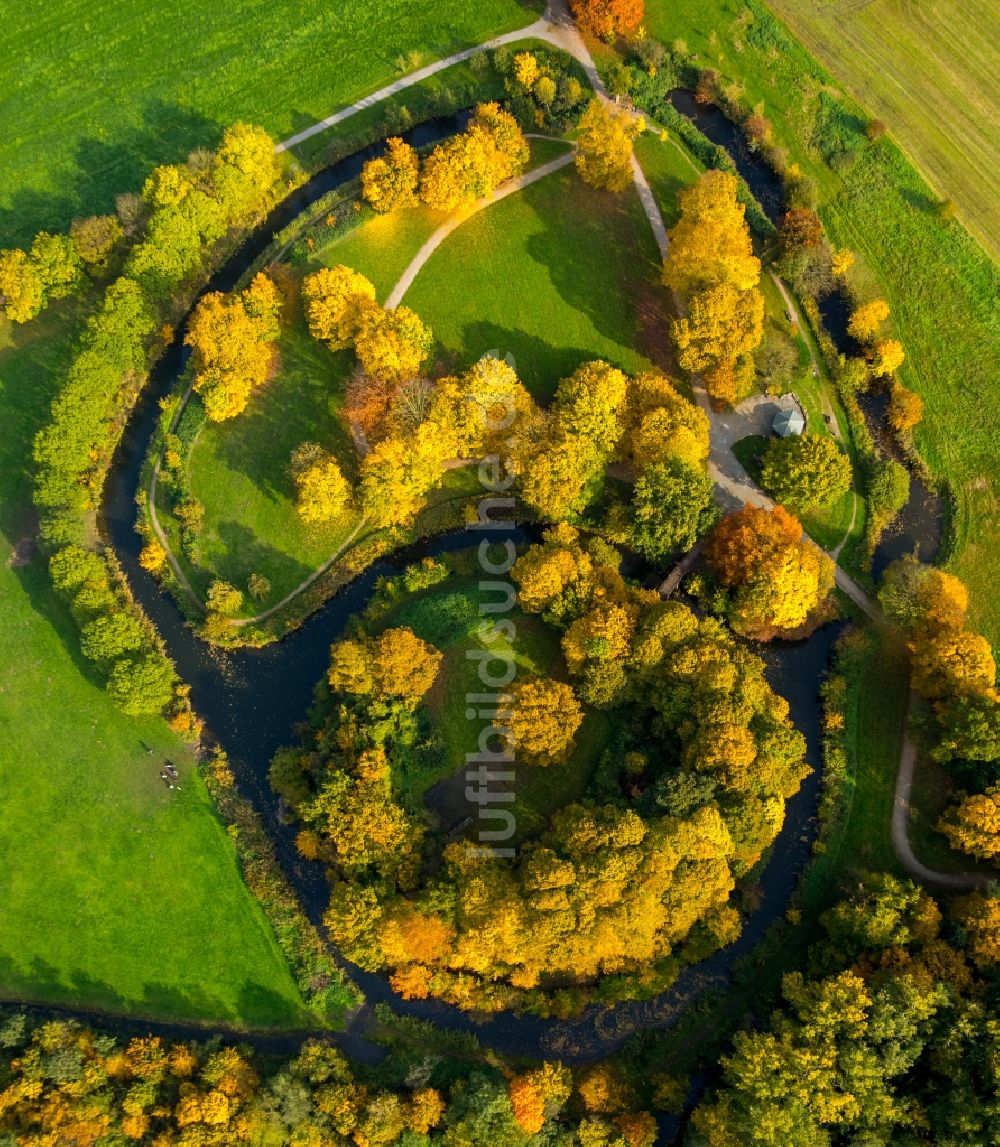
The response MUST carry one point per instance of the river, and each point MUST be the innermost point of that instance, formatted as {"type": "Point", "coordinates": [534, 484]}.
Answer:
{"type": "Point", "coordinates": [252, 699]}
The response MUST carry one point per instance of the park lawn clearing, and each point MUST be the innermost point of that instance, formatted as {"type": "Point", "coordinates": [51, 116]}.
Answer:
{"type": "Point", "coordinates": [94, 98]}
{"type": "Point", "coordinates": [556, 274]}
{"type": "Point", "coordinates": [118, 893]}
{"type": "Point", "coordinates": [931, 72]}
{"type": "Point", "coordinates": [240, 470]}
{"type": "Point", "coordinates": [940, 284]}
{"type": "Point", "coordinates": [385, 245]}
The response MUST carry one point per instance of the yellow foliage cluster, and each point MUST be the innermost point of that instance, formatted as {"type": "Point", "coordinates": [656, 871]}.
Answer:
{"type": "Point", "coordinates": [397, 474]}
{"type": "Point", "coordinates": [336, 301]}
{"type": "Point", "coordinates": [661, 424]}
{"type": "Point", "coordinates": [231, 338]}
{"type": "Point", "coordinates": [472, 165]}
{"type": "Point", "coordinates": [543, 717]}
{"type": "Point", "coordinates": [323, 491]}
{"type": "Point", "coordinates": [395, 664]}
{"type": "Point", "coordinates": [711, 265]}
{"type": "Point", "coordinates": [604, 147]}
{"type": "Point", "coordinates": [391, 181]}
{"type": "Point", "coordinates": [779, 577]}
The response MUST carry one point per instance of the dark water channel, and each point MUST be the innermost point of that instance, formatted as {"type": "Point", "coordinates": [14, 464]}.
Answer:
{"type": "Point", "coordinates": [711, 121]}
{"type": "Point", "coordinates": [251, 701]}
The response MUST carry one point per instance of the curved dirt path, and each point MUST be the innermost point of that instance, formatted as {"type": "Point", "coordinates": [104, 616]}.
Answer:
{"type": "Point", "coordinates": [959, 881]}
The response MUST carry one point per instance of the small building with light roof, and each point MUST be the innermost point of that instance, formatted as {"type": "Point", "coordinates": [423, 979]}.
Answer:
{"type": "Point", "coordinates": [788, 423]}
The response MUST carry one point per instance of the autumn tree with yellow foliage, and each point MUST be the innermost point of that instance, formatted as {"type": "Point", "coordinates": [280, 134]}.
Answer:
{"type": "Point", "coordinates": [231, 337]}
{"type": "Point", "coordinates": [973, 824]}
{"type": "Point", "coordinates": [395, 664]}
{"type": "Point", "coordinates": [712, 268]}
{"type": "Point", "coordinates": [778, 578]}
{"type": "Point", "coordinates": [323, 493]}
{"type": "Point", "coordinates": [336, 301]}
{"type": "Point", "coordinates": [471, 165]}
{"type": "Point", "coordinates": [608, 18]}
{"type": "Point", "coordinates": [392, 345]}
{"type": "Point", "coordinates": [544, 717]}
{"type": "Point", "coordinates": [397, 474]}
{"type": "Point", "coordinates": [604, 147]}
{"type": "Point", "coordinates": [391, 181]}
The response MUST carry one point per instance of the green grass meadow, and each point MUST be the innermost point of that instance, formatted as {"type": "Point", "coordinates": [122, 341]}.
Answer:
{"type": "Point", "coordinates": [97, 94]}
{"type": "Point", "coordinates": [240, 471]}
{"type": "Point", "coordinates": [555, 275]}
{"type": "Point", "coordinates": [117, 892]}
{"type": "Point", "coordinates": [941, 286]}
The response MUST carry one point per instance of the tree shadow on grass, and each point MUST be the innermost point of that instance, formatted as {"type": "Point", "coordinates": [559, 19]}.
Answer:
{"type": "Point", "coordinates": [37, 980]}
{"type": "Point", "coordinates": [539, 365]}
{"type": "Point", "coordinates": [247, 554]}
{"type": "Point", "coordinates": [301, 404]}
{"type": "Point", "coordinates": [598, 250]}
{"type": "Point", "coordinates": [100, 170]}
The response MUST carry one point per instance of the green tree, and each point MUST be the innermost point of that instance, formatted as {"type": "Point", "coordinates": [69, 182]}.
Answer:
{"type": "Point", "coordinates": [806, 472]}
{"type": "Point", "coordinates": [142, 684]}
{"type": "Point", "coordinates": [673, 504]}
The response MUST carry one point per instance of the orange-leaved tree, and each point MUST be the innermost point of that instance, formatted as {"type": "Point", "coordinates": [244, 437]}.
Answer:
{"type": "Point", "coordinates": [608, 18]}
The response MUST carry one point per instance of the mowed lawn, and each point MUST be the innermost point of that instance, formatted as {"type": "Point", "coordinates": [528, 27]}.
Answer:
{"type": "Point", "coordinates": [932, 73]}
{"type": "Point", "coordinates": [941, 285]}
{"type": "Point", "coordinates": [116, 892]}
{"type": "Point", "coordinates": [95, 94]}
{"type": "Point", "coordinates": [556, 275]}
{"type": "Point", "coordinates": [240, 470]}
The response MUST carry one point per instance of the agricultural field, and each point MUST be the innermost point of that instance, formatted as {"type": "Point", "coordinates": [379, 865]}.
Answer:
{"type": "Point", "coordinates": [118, 894]}
{"type": "Point", "coordinates": [100, 94]}
{"type": "Point", "coordinates": [931, 72]}
{"type": "Point", "coordinates": [940, 284]}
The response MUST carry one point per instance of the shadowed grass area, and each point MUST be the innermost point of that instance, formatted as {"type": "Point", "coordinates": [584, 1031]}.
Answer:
{"type": "Point", "coordinates": [240, 470]}
{"type": "Point", "coordinates": [117, 892]}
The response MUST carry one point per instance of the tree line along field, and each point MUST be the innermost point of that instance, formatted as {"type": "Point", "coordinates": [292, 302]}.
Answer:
{"type": "Point", "coordinates": [940, 284]}
{"type": "Point", "coordinates": [95, 95]}
{"type": "Point", "coordinates": [932, 73]}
